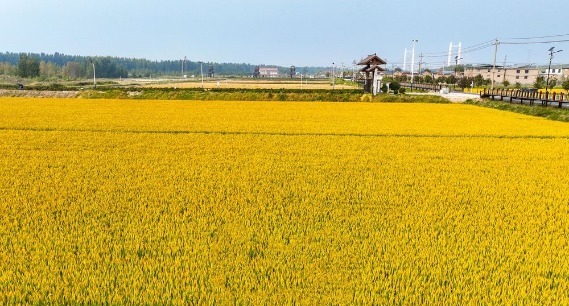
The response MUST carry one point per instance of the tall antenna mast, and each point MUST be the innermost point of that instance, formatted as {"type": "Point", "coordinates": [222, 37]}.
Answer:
{"type": "Point", "coordinates": [405, 59]}
{"type": "Point", "coordinates": [450, 49]}
{"type": "Point", "coordinates": [449, 53]}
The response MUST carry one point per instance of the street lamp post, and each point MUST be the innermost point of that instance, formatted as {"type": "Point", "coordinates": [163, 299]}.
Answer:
{"type": "Point", "coordinates": [94, 75]}
{"type": "Point", "coordinates": [548, 71]}
{"type": "Point", "coordinates": [412, 64]}
{"type": "Point", "coordinates": [333, 76]}
{"type": "Point", "coordinates": [354, 71]}
{"type": "Point", "coordinates": [201, 71]}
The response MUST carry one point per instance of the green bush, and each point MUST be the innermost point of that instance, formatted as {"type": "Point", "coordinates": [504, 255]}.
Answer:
{"type": "Point", "coordinates": [251, 95]}
{"type": "Point", "coordinates": [395, 86]}
{"type": "Point", "coordinates": [551, 113]}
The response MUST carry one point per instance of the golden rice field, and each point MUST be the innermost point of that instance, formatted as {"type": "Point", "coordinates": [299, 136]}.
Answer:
{"type": "Point", "coordinates": [181, 202]}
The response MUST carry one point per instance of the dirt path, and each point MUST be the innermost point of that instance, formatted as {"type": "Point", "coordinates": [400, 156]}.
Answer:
{"type": "Point", "coordinates": [38, 93]}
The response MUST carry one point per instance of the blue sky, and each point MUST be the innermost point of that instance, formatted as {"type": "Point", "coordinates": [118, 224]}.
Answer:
{"type": "Point", "coordinates": [285, 32]}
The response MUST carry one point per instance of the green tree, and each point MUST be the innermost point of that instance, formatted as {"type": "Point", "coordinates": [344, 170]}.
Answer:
{"type": "Point", "coordinates": [7, 69]}
{"type": "Point", "coordinates": [49, 70]}
{"type": "Point", "coordinates": [401, 78]}
{"type": "Point", "coordinates": [28, 67]}
{"type": "Point", "coordinates": [565, 84]}
{"type": "Point", "coordinates": [506, 83]}
{"type": "Point", "coordinates": [395, 86]}
{"type": "Point", "coordinates": [539, 82]}
{"type": "Point", "coordinates": [451, 79]}
{"type": "Point", "coordinates": [479, 80]}
{"type": "Point", "coordinates": [464, 82]}
{"type": "Point", "coordinates": [73, 70]}
{"type": "Point", "coordinates": [552, 82]}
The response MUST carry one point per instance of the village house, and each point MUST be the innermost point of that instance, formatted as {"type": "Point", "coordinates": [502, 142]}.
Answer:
{"type": "Point", "coordinates": [268, 72]}
{"type": "Point", "coordinates": [522, 74]}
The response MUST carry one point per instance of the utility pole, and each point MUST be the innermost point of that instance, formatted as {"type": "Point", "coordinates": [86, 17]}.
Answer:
{"type": "Point", "coordinates": [548, 71]}
{"type": "Point", "coordinates": [456, 59]}
{"type": "Point", "coordinates": [420, 62]}
{"type": "Point", "coordinates": [94, 75]}
{"type": "Point", "coordinates": [505, 70]}
{"type": "Point", "coordinates": [496, 43]}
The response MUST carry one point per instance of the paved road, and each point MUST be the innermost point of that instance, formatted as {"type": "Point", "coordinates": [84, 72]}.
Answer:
{"type": "Point", "coordinates": [457, 97]}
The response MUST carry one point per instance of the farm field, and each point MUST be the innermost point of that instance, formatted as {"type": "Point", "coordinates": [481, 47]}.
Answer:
{"type": "Point", "coordinates": [187, 202]}
{"type": "Point", "coordinates": [251, 84]}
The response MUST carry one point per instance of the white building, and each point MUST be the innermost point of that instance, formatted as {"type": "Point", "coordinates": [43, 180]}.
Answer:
{"type": "Point", "coordinates": [268, 72]}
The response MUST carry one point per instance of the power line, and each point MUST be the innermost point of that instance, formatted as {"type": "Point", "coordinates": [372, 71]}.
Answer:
{"type": "Point", "coordinates": [538, 37]}
{"type": "Point", "coordinates": [534, 42]}
{"type": "Point", "coordinates": [465, 49]}
{"type": "Point", "coordinates": [470, 49]}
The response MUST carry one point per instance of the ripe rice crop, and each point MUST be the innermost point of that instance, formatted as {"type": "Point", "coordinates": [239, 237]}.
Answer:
{"type": "Point", "coordinates": [184, 202]}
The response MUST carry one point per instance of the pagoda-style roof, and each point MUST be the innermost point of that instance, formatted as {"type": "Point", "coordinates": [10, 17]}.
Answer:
{"type": "Point", "coordinates": [372, 68]}
{"type": "Point", "coordinates": [372, 59]}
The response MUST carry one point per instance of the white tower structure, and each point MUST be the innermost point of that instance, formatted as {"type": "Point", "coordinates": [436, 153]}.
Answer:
{"type": "Point", "coordinates": [459, 53]}
{"type": "Point", "coordinates": [405, 59]}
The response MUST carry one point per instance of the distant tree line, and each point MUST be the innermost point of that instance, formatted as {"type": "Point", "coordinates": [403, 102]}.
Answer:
{"type": "Point", "coordinates": [62, 66]}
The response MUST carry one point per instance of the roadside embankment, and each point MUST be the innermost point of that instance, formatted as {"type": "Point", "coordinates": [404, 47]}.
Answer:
{"type": "Point", "coordinates": [38, 93]}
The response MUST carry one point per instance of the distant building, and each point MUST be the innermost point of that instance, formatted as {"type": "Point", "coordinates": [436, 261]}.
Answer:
{"type": "Point", "coordinates": [522, 74]}
{"type": "Point", "coordinates": [556, 72]}
{"type": "Point", "coordinates": [268, 72]}
{"type": "Point", "coordinates": [525, 75]}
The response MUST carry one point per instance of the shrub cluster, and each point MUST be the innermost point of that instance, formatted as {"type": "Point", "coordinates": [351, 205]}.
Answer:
{"type": "Point", "coordinates": [552, 113]}
{"type": "Point", "coordinates": [234, 94]}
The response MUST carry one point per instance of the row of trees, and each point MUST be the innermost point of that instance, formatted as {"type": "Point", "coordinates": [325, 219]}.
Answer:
{"type": "Point", "coordinates": [479, 81]}
{"type": "Point", "coordinates": [29, 66]}
{"type": "Point", "coordinates": [73, 67]}
{"type": "Point", "coordinates": [541, 82]}
{"type": "Point", "coordinates": [450, 79]}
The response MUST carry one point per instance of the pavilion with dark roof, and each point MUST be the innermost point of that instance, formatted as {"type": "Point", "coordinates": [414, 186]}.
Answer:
{"type": "Point", "coordinates": [371, 72]}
